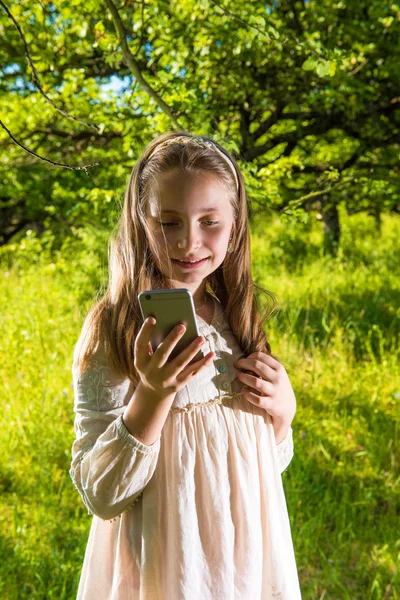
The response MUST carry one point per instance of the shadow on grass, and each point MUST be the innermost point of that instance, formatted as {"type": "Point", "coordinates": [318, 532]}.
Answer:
{"type": "Point", "coordinates": [369, 322]}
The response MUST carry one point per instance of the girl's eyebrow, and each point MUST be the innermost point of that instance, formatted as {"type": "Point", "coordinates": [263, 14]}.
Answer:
{"type": "Point", "coordinates": [199, 211]}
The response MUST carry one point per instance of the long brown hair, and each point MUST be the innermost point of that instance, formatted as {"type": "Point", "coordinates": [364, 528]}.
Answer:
{"type": "Point", "coordinates": [115, 319]}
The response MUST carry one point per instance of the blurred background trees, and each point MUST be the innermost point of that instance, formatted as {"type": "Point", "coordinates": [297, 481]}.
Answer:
{"type": "Point", "coordinates": [306, 96]}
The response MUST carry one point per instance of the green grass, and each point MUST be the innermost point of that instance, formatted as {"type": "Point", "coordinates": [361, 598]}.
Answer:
{"type": "Point", "coordinates": [337, 333]}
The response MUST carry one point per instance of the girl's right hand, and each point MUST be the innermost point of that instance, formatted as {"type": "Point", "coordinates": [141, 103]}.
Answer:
{"type": "Point", "coordinates": [161, 377]}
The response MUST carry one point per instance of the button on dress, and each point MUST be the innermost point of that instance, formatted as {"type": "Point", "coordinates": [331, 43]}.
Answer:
{"type": "Point", "coordinates": [201, 513]}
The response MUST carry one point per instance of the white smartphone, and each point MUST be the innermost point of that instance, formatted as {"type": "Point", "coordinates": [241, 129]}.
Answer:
{"type": "Point", "coordinates": [171, 307]}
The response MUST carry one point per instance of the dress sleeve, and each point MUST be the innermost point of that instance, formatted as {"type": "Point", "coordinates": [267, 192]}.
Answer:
{"type": "Point", "coordinates": [110, 467]}
{"type": "Point", "coordinates": [285, 450]}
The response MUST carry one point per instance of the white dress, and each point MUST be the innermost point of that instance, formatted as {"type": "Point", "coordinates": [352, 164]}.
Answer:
{"type": "Point", "coordinates": [201, 513]}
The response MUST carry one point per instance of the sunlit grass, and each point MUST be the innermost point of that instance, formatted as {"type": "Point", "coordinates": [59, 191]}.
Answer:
{"type": "Point", "coordinates": [337, 333]}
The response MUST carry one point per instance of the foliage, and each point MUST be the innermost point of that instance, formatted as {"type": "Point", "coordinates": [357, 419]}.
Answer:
{"type": "Point", "coordinates": [337, 334]}
{"type": "Point", "coordinates": [305, 93]}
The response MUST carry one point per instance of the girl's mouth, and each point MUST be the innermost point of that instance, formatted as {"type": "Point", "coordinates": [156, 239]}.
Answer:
{"type": "Point", "coordinates": [189, 265]}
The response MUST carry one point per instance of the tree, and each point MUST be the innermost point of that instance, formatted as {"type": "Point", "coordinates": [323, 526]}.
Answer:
{"type": "Point", "coordinates": [304, 94]}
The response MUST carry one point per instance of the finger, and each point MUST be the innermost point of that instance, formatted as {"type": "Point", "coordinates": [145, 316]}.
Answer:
{"type": "Point", "coordinates": [259, 367]}
{"type": "Point", "coordinates": [186, 355]}
{"type": "Point", "coordinates": [256, 399]}
{"type": "Point", "coordinates": [256, 384]}
{"type": "Point", "coordinates": [192, 370]}
{"type": "Point", "coordinates": [272, 362]}
{"type": "Point", "coordinates": [164, 349]}
{"type": "Point", "coordinates": [253, 382]}
{"type": "Point", "coordinates": [265, 359]}
{"type": "Point", "coordinates": [142, 341]}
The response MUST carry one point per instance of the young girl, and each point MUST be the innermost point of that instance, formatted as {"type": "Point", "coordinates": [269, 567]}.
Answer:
{"type": "Point", "coordinates": [180, 464]}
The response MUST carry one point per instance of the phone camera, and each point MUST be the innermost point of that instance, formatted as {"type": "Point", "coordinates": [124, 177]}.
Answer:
{"type": "Point", "coordinates": [147, 296]}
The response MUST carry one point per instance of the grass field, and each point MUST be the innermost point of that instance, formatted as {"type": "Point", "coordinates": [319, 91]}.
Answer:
{"type": "Point", "coordinates": [336, 331]}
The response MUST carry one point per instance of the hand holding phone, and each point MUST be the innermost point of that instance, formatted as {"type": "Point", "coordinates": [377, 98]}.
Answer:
{"type": "Point", "coordinates": [165, 378]}
{"type": "Point", "coordinates": [170, 307]}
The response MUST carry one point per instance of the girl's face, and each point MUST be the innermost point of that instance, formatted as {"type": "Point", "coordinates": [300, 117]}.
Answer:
{"type": "Point", "coordinates": [200, 227]}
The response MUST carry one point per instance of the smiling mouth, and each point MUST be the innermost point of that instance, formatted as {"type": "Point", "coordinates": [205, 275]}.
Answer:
{"type": "Point", "coordinates": [190, 262]}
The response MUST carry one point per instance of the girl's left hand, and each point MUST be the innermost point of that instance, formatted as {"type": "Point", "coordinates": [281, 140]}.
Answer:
{"type": "Point", "coordinates": [275, 392]}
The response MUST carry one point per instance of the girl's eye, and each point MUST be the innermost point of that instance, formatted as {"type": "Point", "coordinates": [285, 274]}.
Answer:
{"type": "Point", "coordinates": [211, 223]}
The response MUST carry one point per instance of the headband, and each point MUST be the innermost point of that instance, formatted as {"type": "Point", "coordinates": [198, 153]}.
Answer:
{"type": "Point", "coordinates": [182, 140]}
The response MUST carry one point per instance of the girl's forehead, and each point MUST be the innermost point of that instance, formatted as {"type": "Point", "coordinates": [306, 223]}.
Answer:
{"type": "Point", "coordinates": [182, 181]}
{"type": "Point", "coordinates": [188, 194]}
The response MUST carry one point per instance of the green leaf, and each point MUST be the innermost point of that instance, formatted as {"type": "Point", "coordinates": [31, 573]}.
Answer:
{"type": "Point", "coordinates": [323, 68]}
{"type": "Point", "coordinates": [309, 64]}
{"type": "Point", "coordinates": [274, 32]}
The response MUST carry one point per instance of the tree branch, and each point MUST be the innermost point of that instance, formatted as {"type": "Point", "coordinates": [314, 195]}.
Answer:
{"type": "Point", "coordinates": [7, 236]}
{"type": "Point", "coordinates": [283, 39]}
{"type": "Point", "coordinates": [272, 119]}
{"type": "Point", "coordinates": [315, 194]}
{"type": "Point", "coordinates": [131, 62]}
{"type": "Point", "coordinates": [290, 137]}
{"type": "Point", "coordinates": [80, 135]}
{"type": "Point", "coordinates": [83, 168]}
{"type": "Point", "coordinates": [230, 14]}
{"type": "Point", "coordinates": [35, 77]}
{"type": "Point", "coordinates": [322, 124]}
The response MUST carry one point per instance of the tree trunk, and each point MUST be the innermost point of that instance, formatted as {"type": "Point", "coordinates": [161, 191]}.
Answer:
{"type": "Point", "coordinates": [330, 219]}
{"type": "Point", "coordinates": [378, 220]}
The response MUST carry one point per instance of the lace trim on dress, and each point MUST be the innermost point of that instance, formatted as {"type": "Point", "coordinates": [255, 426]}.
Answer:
{"type": "Point", "coordinates": [195, 405]}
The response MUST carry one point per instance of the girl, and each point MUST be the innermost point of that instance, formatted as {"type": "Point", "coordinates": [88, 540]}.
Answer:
{"type": "Point", "coordinates": [180, 465]}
